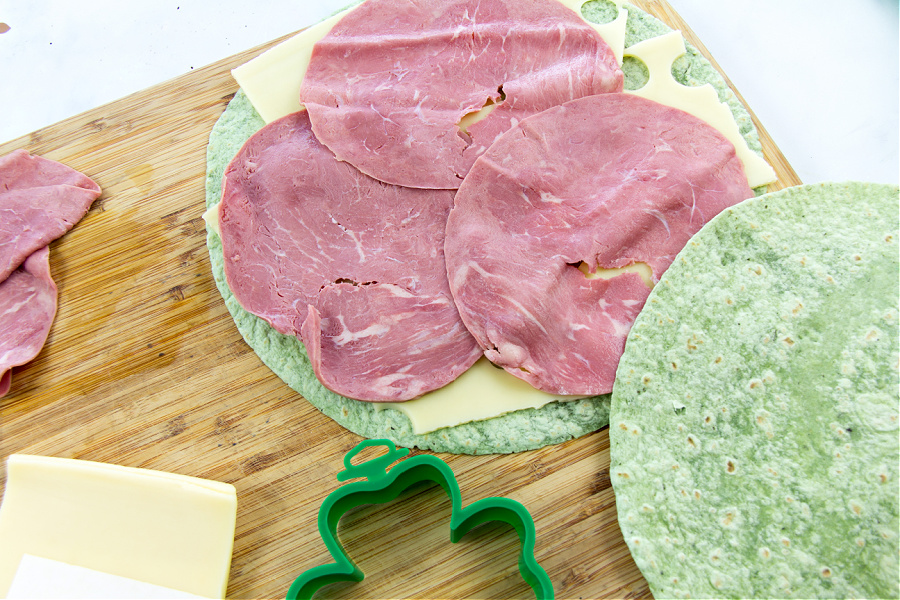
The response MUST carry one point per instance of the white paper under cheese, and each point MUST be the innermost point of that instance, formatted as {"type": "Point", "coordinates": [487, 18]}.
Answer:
{"type": "Point", "coordinates": [161, 528]}
{"type": "Point", "coordinates": [39, 577]}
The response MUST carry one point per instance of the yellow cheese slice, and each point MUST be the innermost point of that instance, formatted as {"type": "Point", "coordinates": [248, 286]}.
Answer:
{"type": "Point", "coordinates": [641, 268]}
{"type": "Point", "coordinates": [164, 529]}
{"type": "Point", "coordinates": [211, 217]}
{"type": "Point", "coordinates": [482, 392]}
{"type": "Point", "coordinates": [272, 79]}
{"type": "Point", "coordinates": [701, 101]}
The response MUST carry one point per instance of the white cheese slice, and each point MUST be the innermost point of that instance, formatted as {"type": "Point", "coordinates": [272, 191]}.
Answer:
{"type": "Point", "coordinates": [39, 577]}
{"type": "Point", "coordinates": [160, 528]}
{"type": "Point", "coordinates": [701, 101]}
{"type": "Point", "coordinates": [482, 392]}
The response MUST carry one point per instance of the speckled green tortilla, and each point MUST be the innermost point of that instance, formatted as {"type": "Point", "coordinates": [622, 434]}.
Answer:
{"type": "Point", "coordinates": [285, 355]}
{"type": "Point", "coordinates": [754, 419]}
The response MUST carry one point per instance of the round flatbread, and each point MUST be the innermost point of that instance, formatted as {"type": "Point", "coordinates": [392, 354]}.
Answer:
{"type": "Point", "coordinates": [754, 423]}
{"type": "Point", "coordinates": [513, 432]}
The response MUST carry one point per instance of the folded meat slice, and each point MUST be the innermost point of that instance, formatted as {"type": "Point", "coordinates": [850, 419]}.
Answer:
{"type": "Point", "coordinates": [27, 309]}
{"type": "Point", "coordinates": [387, 87]}
{"type": "Point", "coordinates": [352, 266]}
{"type": "Point", "coordinates": [604, 182]}
{"type": "Point", "coordinates": [40, 200]}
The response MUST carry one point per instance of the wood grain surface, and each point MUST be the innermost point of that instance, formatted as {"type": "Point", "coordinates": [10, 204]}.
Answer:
{"type": "Point", "coordinates": [145, 368]}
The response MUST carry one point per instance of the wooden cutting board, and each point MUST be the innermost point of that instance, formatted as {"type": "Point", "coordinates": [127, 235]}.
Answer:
{"type": "Point", "coordinates": [145, 368]}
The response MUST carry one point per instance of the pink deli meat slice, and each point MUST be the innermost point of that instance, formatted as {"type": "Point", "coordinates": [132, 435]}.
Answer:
{"type": "Point", "coordinates": [606, 181]}
{"type": "Point", "coordinates": [387, 87]}
{"type": "Point", "coordinates": [351, 265]}
{"type": "Point", "coordinates": [40, 200]}
{"type": "Point", "coordinates": [27, 309]}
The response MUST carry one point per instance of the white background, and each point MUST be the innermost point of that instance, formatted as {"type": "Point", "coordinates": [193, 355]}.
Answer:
{"type": "Point", "coordinates": [822, 75]}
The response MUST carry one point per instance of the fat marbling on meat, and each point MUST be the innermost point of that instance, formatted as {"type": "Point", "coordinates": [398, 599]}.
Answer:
{"type": "Point", "coordinates": [603, 181]}
{"type": "Point", "coordinates": [388, 86]}
{"type": "Point", "coordinates": [352, 266]}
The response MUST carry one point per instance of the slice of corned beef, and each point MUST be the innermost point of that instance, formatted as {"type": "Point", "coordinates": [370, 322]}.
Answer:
{"type": "Point", "coordinates": [605, 181]}
{"type": "Point", "coordinates": [387, 88]}
{"type": "Point", "coordinates": [40, 200]}
{"type": "Point", "coordinates": [350, 265]}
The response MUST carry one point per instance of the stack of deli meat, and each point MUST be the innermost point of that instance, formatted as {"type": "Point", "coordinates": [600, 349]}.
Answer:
{"type": "Point", "coordinates": [460, 173]}
{"type": "Point", "coordinates": [40, 200]}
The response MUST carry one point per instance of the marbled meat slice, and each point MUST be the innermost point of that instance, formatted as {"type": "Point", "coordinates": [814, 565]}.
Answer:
{"type": "Point", "coordinates": [40, 200]}
{"type": "Point", "coordinates": [351, 265]}
{"type": "Point", "coordinates": [605, 181]}
{"type": "Point", "coordinates": [387, 87]}
{"type": "Point", "coordinates": [27, 310]}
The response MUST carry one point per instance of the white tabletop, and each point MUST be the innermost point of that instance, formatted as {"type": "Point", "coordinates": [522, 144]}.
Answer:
{"type": "Point", "coordinates": [822, 75]}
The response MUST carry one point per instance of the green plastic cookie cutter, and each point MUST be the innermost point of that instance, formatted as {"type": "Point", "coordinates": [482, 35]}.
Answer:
{"type": "Point", "coordinates": [381, 486]}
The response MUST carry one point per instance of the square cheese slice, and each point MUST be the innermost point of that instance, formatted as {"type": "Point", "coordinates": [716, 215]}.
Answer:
{"type": "Point", "coordinates": [160, 528]}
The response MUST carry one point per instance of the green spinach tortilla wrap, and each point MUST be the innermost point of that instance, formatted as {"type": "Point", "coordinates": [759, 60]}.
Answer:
{"type": "Point", "coordinates": [754, 418]}
{"type": "Point", "coordinates": [512, 432]}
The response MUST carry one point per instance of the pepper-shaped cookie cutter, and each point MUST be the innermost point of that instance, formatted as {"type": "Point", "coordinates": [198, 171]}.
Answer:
{"type": "Point", "coordinates": [381, 486]}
